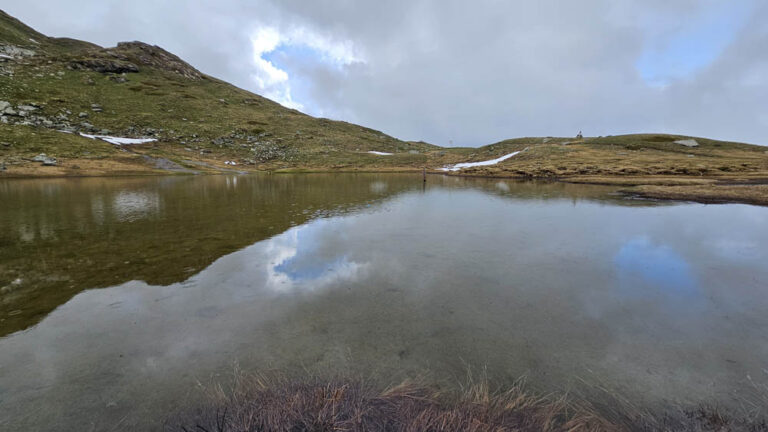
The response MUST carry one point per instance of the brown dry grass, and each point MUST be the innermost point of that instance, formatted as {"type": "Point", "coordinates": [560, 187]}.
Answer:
{"type": "Point", "coordinates": [278, 404]}
{"type": "Point", "coordinates": [640, 180]}
{"type": "Point", "coordinates": [120, 165]}
{"type": "Point", "coordinates": [266, 404]}
{"type": "Point", "coordinates": [750, 194]}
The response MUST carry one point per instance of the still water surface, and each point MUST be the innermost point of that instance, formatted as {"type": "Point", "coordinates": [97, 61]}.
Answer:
{"type": "Point", "coordinates": [120, 295]}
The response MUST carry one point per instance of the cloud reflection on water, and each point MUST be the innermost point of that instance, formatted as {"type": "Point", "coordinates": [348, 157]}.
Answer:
{"type": "Point", "coordinates": [658, 265]}
{"type": "Point", "coordinates": [132, 205]}
{"type": "Point", "coordinates": [301, 258]}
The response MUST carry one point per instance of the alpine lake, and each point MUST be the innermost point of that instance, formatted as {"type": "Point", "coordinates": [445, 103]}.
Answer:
{"type": "Point", "coordinates": [122, 299]}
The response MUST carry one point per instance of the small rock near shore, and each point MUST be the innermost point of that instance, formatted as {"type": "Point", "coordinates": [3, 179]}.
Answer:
{"type": "Point", "coordinates": [45, 159]}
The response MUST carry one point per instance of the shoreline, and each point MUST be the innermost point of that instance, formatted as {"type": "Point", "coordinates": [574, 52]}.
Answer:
{"type": "Point", "coordinates": [736, 189]}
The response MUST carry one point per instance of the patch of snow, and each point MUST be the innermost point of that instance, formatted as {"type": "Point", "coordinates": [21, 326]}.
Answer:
{"type": "Point", "coordinates": [34, 41]}
{"type": "Point", "coordinates": [118, 140]}
{"type": "Point", "coordinates": [688, 142]}
{"type": "Point", "coordinates": [230, 163]}
{"type": "Point", "coordinates": [462, 165]}
{"type": "Point", "coordinates": [6, 56]}
{"type": "Point", "coordinates": [380, 153]}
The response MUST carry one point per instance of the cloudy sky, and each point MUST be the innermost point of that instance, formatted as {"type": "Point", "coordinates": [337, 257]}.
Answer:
{"type": "Point", "coordinates": [464, 72]}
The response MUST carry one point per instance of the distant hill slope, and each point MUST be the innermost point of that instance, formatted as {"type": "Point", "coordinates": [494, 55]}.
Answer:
{"type": "Point", "coordinates": [620, 156]}
{"type": "Point", "coordinates": [142, 91]}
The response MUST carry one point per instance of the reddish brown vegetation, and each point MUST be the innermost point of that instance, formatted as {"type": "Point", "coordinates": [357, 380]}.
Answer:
{"type": "Point", "coordinates": [259, 404]}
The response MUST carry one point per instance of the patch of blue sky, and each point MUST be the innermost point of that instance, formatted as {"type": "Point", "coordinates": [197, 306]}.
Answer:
{"type": "Point", "coordinates": [301, 268]}
{"type": "Point", "coordinates": [288, 55]}
{"type": "Point", "coordinates": [299, 61]}
{"type": "Point", "coordinates": [696, 44]}
{"type": "Point", "coordinates": [656, 266]}
{"type": "Point", "coordinates": [298, 52]}
{"type": "Point", "coordinates": [310, 260]}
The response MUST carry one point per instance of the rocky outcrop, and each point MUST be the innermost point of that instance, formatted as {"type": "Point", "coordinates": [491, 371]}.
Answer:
{"type": "Point", "coordinates": [45, 159]}
{"type": "Point", "coordinates": [104, 65]}
{"type": "Point", "coordinates": [688, 142]}
{"type": "Point", "coordinates": [14, 52]}
{"type": "Point", "coordinates": [155, 57]}
{"type": "Point", "coordinates": [33, 114]}
{"type": "Point", "coordinates": [6, 108]}
{"type": "Point", "coordinates": [129, 57]}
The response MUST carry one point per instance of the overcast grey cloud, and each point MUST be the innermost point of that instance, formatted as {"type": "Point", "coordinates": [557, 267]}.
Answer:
{"type": "Point", "coordinates": [470, 73]}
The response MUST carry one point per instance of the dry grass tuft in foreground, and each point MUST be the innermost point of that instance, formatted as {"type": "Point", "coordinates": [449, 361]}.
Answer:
{"type": "Point", "coordinates": [279, 404]}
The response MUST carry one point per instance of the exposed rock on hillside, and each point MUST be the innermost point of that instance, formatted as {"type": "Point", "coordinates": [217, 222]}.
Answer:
{"type": "Point", "coordinates": [104, 65]}
{"type": "Point", "coordinates": [12, 51]}
{"type": "Point", "coordinates": [125, 57]}
{"type": "Point", "coordinates": [688, 142]}
{"type": "Point", "coordinates": [45, 159]}
{"type": "Point", "coordinates": [154, 56]}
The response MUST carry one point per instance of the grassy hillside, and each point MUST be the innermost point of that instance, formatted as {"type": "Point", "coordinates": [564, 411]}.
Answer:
{"type": "Point", "coordinates": [138, 90]}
